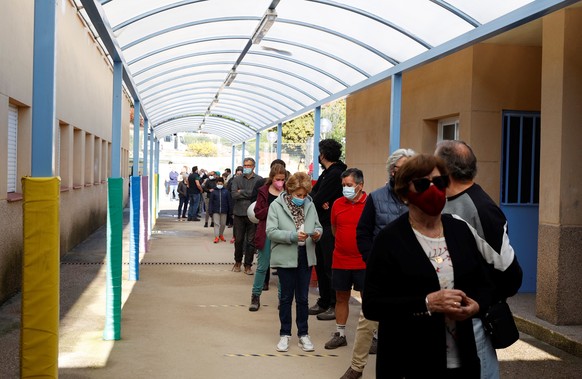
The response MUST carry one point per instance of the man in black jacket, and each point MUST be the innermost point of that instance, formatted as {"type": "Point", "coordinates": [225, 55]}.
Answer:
{"type": "Point", "coordinates": [327, 189]}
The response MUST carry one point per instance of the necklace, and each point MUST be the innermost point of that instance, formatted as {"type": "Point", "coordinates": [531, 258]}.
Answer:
{"type": "Point", "coordinates": [433, 248]}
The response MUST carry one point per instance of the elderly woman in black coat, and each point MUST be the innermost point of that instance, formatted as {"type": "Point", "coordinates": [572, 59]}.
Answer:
{"type": "Point", "coordinates": [425, 282]}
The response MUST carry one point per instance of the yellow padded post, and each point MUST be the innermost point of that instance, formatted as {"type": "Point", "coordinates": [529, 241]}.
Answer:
{"type": "Point", "coordinates": [39, 337]}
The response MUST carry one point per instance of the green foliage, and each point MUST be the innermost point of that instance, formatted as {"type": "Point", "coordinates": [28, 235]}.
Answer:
{"type": "Point", "coordinates": [202, 149]}
{"type": "Point", "coordinates": [300, 129]}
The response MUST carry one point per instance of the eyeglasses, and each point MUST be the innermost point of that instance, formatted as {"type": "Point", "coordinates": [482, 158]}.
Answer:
{"type": "Point", "coordinates": [422, 184]}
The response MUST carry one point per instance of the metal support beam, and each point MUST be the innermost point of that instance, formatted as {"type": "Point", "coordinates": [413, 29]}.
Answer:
{"type": "Point", "coordinates": [257, 151]}
{"type": "Point", "coordinates": [136, 122]}
{"type": "Point", "coordinates": [44, 88]}
{"type": "Point", "coordinates": [316, 139]}
{"type": "Point", "coordinates": [395, 111]}
{"type": "Point", "coordinates": [116, 120]}
{"type": "Point", "coordinates": [279, 140]}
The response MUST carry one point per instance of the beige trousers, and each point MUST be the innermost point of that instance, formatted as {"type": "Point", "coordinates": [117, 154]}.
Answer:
{"type": "Point", "coordinates": [362, 342]}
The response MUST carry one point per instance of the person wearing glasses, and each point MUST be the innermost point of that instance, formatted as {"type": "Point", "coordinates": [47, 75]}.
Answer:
{"type": "Point", "coordinates": [426, 281]}
{"type": "Point", "coordinates": [382, 207]}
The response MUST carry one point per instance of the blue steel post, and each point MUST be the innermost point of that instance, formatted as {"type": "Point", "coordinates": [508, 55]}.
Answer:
{"type": "Point", "coordinates": [316, 138]}
{"type": "Point", "coordinates": [39, 327]}
{"type": "Point", "coordinates": [113, 259]}
{"type": "Point", "coordinates": [232, 156]}
{"type": "Point", "coordinates": [257, 151]}
{"type": "Point", "coordinates": [145, 146]}
{"type": "Point", "coordinates": [43, 88]}
{"type": "Point", "coordinates": [151, 170]}
{"type": "Point", "coordinates": [395, 111]}
{"type": "Point", "coordinates": [157, 171]}
{"type": "Point", "coordinates": [135, 198]}
{"type": "Point", "coordinates": [279, 140]}
{"type": "Point", "coordinates": [243, 153]}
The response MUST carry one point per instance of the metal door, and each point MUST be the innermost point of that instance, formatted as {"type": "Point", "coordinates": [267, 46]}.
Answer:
{"type": "Point", "coordinates": [520, 188]}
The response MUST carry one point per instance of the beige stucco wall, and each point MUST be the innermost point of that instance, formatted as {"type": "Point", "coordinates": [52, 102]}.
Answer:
{"type": "Point", "coordinates": [560, 230]}
{"type": "Point", "coordinates": [475, 85]}
{"type": "Point", "coordinates": [83, 102]}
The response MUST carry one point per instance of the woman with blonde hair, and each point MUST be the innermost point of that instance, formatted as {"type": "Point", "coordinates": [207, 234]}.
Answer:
{"type": "Point", "coordinates": [293, 228]}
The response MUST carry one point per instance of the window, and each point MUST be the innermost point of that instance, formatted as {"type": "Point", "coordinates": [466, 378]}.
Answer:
{"type": "Point", "coordinates": [520, 180]}
{"type": "Point", "coordinates": [12, 146]}
{"type": "Point", "coordinates": [448, 129]}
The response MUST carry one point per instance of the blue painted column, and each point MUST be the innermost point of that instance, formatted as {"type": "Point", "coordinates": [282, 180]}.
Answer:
{"type": "Point", "coordinates": [243, 153]}
{"type": "Point", "coordinates": [39, 327]}
{"type": "Point", "coordinates": [157, 171]}
{"type": "Point", "coordinates": [232, 166]}
{"type": "Point", "coordinates": [316, 139]}
{"type": "Point", "coordinates": [395, 112]}
{"type": "Point", "coordinates": [257, 151]}
{"type": "Point", "coordinates": [145, 146]}
{"type": "Point", "coordinates": [115, 189]}
{"type": "Point", "coordinates": [43, 88]}
{"type": "Point", "coordinates": [135, 197]}
{"type": "Point", "coordinates": [152, 176]}
{"type": "Point", "coordinates": [279, 140]}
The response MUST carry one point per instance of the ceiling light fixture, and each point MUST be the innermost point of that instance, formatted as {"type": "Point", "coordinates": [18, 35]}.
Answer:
{"type": "Point", "coordinates": [267, 21]}
{"type": "Point", "coordinates": [230, 78]}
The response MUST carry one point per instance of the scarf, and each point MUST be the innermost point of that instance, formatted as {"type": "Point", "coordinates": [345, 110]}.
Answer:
{"type": "Point", "coordinates": [298, 213]}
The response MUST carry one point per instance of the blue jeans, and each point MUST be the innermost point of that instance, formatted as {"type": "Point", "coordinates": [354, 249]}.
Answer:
{"type": "Point", "coordinates": [485, 351]}
{"type": "Point", "coordinates": [294, 283]}
{"type": "Point", "coordinates": [263, 263]}
{"type": "Point", "coordinates": [194, 203]}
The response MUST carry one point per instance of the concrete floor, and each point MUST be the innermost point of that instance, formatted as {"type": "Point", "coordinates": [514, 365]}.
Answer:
{"type": "Point", "coordinates": [187, 317]}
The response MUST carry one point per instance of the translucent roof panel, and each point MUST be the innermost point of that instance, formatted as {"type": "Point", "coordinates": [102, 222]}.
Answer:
{"type": "Point", "coordinates": [248, 65]}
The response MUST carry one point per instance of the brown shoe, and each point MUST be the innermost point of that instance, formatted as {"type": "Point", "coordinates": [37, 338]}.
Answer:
{"type": "Point", "coordinates": [351, 374]}
{"type": "Point", "coordinates": [236, 267]}
{"type": "Point", "coordinates": [248, 270]}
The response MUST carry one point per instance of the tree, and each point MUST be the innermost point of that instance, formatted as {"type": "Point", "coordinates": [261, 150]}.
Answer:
{"type": "Point", "coordinates": [202, 149]}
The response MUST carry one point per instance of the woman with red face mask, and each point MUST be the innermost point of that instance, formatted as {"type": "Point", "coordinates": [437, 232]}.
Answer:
{"type": "Point", "coordinates": [425, 282]}
{"type": "Point", "coordinates": [273, 186]}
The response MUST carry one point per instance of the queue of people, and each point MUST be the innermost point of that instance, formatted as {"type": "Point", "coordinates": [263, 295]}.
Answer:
{"type": "Point", "coordinates": [428, 252]}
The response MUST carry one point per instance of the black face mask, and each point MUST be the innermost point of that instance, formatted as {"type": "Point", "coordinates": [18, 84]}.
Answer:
{"type": "Point", "coordinates": [319, 160]}
{"type": "Point", "coordinates": [391, 181]}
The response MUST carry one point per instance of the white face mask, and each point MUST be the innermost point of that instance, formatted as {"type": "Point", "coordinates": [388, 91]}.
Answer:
{"type": "Point", "coordinates": [219, 186]}
{"type": "Point", "coordinates": [211, 177]}
{"type": "Point", "coordinates": [349, 192]}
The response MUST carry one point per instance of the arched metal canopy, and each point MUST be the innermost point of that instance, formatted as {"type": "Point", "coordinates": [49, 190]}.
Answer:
{"type": "Point", "coordinates": [237, 67]}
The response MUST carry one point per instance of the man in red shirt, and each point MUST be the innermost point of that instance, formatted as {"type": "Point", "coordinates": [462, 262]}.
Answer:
{"type": "Point", "coordinates": [348, 267]}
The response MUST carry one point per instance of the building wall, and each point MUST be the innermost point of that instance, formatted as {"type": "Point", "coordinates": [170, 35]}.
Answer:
{"type": "Point", "coordinates": [475, 85]}
{"type": "Point", "coordinates": [83, 118]}
{"type": "Point", "coordinates": [560, 229]}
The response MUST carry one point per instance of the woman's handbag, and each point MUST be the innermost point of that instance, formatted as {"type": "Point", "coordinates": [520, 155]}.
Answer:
{"type": "Point", "coordinates": [500, 325]}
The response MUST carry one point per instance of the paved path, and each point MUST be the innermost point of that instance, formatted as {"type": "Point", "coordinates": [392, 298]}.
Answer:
{"type": "Point", "coordinates": [187, 317]}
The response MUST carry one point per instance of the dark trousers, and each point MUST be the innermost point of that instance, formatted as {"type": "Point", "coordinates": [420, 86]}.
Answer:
{"type": "Point", "coordinates": [295, 284]}
{"type": "Point", "coordinates": [244, 240]}
{"type": "Point", "coordinates": [183, 206]}
{"type": "Point", "coordinates": [324, 252]}
{"type": "Point", "coordinates": [193, 206]}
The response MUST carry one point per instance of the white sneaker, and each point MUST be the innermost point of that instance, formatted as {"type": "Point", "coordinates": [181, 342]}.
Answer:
{"type": "Point", "coordinates": [305, 343]}
{"type": "Point", "coordinates": [283, 344]}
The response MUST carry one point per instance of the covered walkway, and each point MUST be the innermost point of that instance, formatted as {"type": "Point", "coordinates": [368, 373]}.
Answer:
{"type": "Point", "coordinates": [187, 317]}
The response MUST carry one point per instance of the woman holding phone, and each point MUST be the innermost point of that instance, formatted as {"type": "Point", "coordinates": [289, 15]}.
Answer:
{"type": "Point", "coordinates": [293, 228]}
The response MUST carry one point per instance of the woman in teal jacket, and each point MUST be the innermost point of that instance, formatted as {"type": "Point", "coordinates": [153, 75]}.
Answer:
{"type": "Point", "coordinates": [293, 228]}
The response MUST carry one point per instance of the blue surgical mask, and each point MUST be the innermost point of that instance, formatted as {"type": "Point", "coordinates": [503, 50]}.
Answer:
{"type": "Point", "coordinates": [219, 186]}
{"type": "Point", "coordinates": [297, 201]}
{"type": "Point", "coordinates": [247, 170]}
{"type": "Point", "coordinates": [349, 192]}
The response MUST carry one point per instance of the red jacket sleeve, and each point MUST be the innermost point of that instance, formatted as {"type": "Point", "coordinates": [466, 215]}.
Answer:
{"type": "Point", "coordinates": [262, 205]}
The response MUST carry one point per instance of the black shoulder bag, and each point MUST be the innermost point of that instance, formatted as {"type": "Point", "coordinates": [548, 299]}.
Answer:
{"type": "Point", "coordinates": [500, 325]}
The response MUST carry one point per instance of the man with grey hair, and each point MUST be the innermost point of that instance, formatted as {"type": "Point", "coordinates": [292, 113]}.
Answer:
{"type": "Point", "coordinates": [468, 200]}
{"type": "Point", "coordinates": [244, 229]}
{"type": "Point", "coordinates": [382, 207]}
